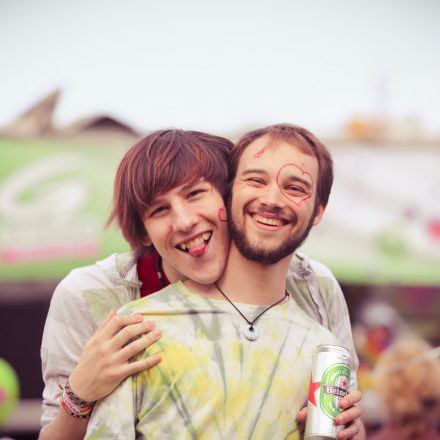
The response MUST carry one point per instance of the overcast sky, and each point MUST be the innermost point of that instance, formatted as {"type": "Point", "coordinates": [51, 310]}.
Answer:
{"type": "Point", "coordinates": [223, 65]}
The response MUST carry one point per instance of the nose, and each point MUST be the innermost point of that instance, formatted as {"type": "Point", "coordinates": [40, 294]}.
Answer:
{"type": "Point", "coordinates": [272, 196]}
{"type": "Point", "coordinates": [184, 218]}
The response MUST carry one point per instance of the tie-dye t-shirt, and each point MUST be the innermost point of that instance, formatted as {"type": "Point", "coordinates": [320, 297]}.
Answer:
{"type": "Point", "coordinates": [212, 382]}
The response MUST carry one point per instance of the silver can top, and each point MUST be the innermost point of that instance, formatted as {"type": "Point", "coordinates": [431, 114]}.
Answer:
{"type": "Point", "coordinates": [336, 349]}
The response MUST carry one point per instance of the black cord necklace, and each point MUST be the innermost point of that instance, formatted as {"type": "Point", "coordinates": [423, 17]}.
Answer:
{"type": "Point", "coordinates": [250, 331]}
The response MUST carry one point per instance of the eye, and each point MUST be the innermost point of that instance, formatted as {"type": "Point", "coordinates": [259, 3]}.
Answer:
{"type": "Point", "coordinates": [159, 210]}
{"type": "Point", "coordinates": [296, 189]}
{"type": "Point", "coordinates": [255, 180]}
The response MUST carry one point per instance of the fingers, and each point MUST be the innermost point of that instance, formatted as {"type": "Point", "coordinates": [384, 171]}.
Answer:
{"type": "Point", "coordinates": [106, 320]}
{"type": "Point", "coordinates": [350, 431]}
{"type": "Point", "coordinates": [124, 335]}
{"type": "Point", "coordinates": [138, 345]}
{"type": "Point", "coordinates": [141, 365]}
{"type": "Point", "coordinates": [117, 322]}
{"type": "Point", "coordinates": [348, 415]}
{"type": "Point", "coordinates": [350, 399]}
{"type": "Point", "coordinates": [302, 415]}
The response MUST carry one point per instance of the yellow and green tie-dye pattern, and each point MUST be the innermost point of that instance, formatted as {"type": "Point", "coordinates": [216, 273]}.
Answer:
{"type": "Point", "coordinates": [212, 382]}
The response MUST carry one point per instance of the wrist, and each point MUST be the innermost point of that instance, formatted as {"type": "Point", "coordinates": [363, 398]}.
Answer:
{"type": "Point", "coordinates": [74, 404]}
{"type": "Point", "coordinates": [80, 387]}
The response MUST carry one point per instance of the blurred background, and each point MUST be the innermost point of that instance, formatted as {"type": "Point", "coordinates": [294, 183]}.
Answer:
{"type": "Point", "coordinates": [81, 81]}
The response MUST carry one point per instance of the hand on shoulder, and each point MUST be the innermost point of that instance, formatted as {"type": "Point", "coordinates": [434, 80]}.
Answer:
{"type": "Point", "coordinates": [104, 362]}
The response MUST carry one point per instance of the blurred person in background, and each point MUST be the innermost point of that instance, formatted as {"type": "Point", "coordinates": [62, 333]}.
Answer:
{"type": "Point", "coordinates": [187, 171]}
{"type": "Point", "coordinates": [378, 326]}
{"type": "Point", "coordinates": [407, 377]}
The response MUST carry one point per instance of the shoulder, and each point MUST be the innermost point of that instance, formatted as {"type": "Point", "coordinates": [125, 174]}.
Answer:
{"type": "Point", "coordinates": [92, 276]}
{"type": "Point", "coordinates": [163, 300]}
{"type": "Point", "coordinates": [301, 265]}
{"type": "Point", "coordinates": [91, 287]}
{"type": "Point", "coordinates": [314, 273]}
{"type": "Point", "coordinates": [313, 285]}
{"type": "Point", "coordinates": [320, 269]}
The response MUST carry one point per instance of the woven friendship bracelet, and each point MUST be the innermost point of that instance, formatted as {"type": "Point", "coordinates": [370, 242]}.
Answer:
{"type": "Point", "coordinates": [73, 404]}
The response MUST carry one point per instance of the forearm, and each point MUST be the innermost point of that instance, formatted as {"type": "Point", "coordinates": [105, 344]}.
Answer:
{"type": "Point", "coordinates": [64, 427]}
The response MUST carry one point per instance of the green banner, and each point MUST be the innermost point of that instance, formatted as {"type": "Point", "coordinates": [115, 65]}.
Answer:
{"type": "Point", "coordinates": [55, 197]}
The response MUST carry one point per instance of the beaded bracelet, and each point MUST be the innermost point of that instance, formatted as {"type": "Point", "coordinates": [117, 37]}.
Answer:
{"type": "Point", "coordinates": [73, 404]}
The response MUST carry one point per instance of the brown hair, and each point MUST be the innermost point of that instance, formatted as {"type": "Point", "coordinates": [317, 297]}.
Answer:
{"type": "Point", "coordinates": [158, 163]}
{"type": "Point", "coordinates": [301, 138]}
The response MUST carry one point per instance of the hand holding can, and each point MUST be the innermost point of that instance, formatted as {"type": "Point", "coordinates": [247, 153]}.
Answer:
{"type": "Point", "coordinates": [329, 382]}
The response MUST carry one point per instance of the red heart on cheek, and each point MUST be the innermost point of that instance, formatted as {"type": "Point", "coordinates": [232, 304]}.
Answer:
{"type": "Point", "coordinates": [290, 171]}
{"type": "Point", "coordinates": [222, 215]}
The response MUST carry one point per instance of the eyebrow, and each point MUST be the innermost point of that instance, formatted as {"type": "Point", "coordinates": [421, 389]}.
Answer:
{"type": "Point", "coordinates": [189, 185]}
{"type": "Point", "coordinates": [253, 171]}
{"type": "Point", "coordinates": [154, 202]}
{"type": "Point", "coordinates": [159, 200]}
{"type": "Point", "coordinates": [291, 178]}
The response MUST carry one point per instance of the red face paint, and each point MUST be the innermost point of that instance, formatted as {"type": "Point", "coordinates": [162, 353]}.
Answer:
{"type": "Point", "coordinates": [434, 229]}
{"type": "Point", "coordinates": [259, 153]}
{"type": "Point", "coordinates": [293, 171]}
{"type": "Point", "coordinates": [222, 215]}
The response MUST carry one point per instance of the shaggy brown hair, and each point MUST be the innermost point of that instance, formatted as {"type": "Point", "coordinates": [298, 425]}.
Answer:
{"type": "Point", "coordinates": [158, 163]}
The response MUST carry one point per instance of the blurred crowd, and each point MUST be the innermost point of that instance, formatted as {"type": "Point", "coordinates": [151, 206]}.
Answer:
{"type": "Point", "coordinates": [399, 376]}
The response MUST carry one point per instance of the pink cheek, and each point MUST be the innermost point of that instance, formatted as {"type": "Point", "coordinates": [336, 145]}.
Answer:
{"type": "Point", "coordinates": [297, 203]}
{"type": "Point", "coordinates": [222, 215]}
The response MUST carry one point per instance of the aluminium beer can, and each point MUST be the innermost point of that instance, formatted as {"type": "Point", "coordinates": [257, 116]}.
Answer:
{"type": "Point", "coordinates": [329, 382]}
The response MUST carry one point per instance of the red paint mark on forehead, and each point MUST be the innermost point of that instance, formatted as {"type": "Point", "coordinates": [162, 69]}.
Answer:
{"type": "Point", "coordinates": [260, 153]}
{"type": "Point", "coordinates": [222, 215]}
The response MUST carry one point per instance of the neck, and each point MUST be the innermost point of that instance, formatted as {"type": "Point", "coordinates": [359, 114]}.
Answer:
{"type": "Point", "coordinates": [251, 282]}
{"type": "Point", "coordinates": [170, 273]}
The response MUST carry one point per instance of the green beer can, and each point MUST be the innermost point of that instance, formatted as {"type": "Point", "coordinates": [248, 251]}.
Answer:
{"type": "Point", "coordinates": [328, 383]}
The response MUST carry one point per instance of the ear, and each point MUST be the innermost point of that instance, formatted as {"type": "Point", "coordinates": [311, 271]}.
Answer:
{"type": "Point", "coordinates": [319, 212]}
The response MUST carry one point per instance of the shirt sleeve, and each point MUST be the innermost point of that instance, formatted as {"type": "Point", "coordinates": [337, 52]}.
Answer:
{"type": "Point", "coordinates": [339, 319]}
{"type": "Point", "coordinates": [316, 290]}
{"type": "Point", "coordinates": [67, 329]}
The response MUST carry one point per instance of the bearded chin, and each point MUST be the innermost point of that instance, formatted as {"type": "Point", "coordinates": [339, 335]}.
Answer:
{"type": "Point", "coordinates": [255, 253]}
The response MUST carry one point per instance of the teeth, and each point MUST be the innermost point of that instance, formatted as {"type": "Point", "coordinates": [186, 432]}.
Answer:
{"type": "Point", "coordinates": [268, 221]}
{"type": "Point", "coordinates": [196, 242]}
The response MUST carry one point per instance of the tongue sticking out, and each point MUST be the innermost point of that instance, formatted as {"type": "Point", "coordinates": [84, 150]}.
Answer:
{"type": "Point", "coordinates": [198, 250]}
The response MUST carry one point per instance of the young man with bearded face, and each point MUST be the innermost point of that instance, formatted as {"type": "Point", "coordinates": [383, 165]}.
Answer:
{"type": "Point", "coordinates": [236, 355]}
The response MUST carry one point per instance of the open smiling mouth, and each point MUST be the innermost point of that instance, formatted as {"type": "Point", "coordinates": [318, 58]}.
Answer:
{"type": "Point", "coordinates": [268, 221]}
{"type": "Point", "coordinates": [196, 246]}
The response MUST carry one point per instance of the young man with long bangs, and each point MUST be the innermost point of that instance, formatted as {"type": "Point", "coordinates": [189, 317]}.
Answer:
{"type": "Point", "coordinates": [86, 347]}
{"type": "Point", "coordinates": [236, 354]}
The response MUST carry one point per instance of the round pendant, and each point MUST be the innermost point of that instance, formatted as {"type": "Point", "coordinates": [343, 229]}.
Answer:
{"type": "Point", "coordinates": [251, 332]}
